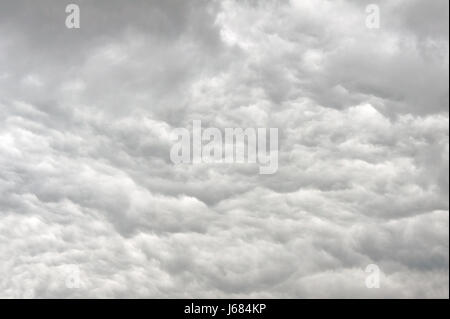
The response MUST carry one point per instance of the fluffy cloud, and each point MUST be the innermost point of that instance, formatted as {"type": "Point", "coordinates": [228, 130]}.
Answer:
{"type": "Point", "coordinates": [86, 181]}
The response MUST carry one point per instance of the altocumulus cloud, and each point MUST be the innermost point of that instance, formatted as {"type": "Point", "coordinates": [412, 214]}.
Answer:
{"type": "Point", "coordinates": [86, 117]}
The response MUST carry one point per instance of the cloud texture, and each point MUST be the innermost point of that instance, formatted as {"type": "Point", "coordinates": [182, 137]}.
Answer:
{"type": "Point", "coordinates": [86, 181]}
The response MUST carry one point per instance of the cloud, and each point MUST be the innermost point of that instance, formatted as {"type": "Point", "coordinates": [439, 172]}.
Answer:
{"type": "Point", "coordinates": [86, 181]}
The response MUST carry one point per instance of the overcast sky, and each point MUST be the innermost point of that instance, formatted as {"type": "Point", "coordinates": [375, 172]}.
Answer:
{"type": "Point", "coordinates": [86, 179]}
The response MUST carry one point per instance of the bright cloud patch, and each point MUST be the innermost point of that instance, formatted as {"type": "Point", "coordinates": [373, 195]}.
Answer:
{"type": "Point", "coordinates": [88, 190]}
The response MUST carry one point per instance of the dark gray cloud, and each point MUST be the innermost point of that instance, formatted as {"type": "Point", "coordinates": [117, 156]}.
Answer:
{"type": "Point", "coordinates": [86, 118]}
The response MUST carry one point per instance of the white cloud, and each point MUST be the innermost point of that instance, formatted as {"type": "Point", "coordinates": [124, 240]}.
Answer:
{"type": "Point", "coordinates": [85, 126]}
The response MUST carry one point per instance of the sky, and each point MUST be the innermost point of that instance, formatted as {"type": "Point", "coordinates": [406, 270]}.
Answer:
{"type": "Point", "coordinates": [91, 206]}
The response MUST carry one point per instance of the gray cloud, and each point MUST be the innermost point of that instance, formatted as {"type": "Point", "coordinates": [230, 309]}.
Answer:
{"type": "Point", "coordinates": [86, 119]}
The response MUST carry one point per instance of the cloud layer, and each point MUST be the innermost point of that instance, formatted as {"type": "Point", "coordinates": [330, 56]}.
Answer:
{"type": "Point", "coordinates": [86, 181]}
